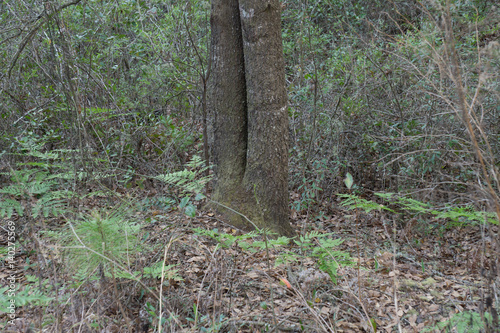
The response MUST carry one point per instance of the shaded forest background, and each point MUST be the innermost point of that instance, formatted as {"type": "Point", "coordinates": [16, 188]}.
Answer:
{"type": "Point", "coordinates": [104, 100]}
{"type": "Point", "coordinates": [368, 83]}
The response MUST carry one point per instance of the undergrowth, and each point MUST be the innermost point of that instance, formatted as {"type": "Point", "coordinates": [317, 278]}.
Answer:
{"type": "Point", "coordinates": [451, 216]}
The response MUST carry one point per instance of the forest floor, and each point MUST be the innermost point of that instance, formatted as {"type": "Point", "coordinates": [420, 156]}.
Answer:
{"type": "Point", "coordinates": [405, 281]}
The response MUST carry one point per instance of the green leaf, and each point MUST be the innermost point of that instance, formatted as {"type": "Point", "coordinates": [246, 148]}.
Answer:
{"type": "Point", "coordinates": [348, 181]}
{"type": "Point", "coordinates": [190, 211]}
{"type": "Point", "coordinates": [199, 196]}
{"type": "Point", "coordinates": [184, 202]}
{"type": "Point", "coordinates": [374, 324]}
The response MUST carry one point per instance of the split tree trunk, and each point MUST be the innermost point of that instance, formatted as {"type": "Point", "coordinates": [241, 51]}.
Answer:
{"type": "Point", "coordinates": [249, 104]}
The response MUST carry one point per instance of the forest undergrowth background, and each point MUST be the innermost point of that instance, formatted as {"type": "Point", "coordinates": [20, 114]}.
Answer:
{"type": "Point", "coordinates": [394, 129]}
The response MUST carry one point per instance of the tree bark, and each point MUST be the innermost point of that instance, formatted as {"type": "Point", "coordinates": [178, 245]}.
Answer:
{"type": "Point", "coordinates": [249, 103]}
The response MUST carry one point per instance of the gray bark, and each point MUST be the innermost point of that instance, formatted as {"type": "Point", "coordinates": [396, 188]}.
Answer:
{"type": "Point", "coordinates": [249, 103]}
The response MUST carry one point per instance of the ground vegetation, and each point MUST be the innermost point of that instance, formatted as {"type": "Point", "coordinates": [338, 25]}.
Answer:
{"type": "Point", "coordinates": [106, 171]}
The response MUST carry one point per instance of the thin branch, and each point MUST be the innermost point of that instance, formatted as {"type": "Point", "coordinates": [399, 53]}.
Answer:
{"type": "Point", "coordinates": [30, 35]}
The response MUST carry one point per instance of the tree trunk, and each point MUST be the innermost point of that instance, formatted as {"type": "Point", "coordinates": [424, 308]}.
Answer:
{"type": "Point", "coordinates": [248, 100]}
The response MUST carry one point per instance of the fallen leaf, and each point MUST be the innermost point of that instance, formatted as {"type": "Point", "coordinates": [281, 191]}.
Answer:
{"type": "Point", "coordinates": [286, 283]}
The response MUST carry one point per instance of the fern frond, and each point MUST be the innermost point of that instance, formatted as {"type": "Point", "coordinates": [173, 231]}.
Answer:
{"type": "Point", "coordinates": [354, 202]}
{"type": "Point", "coordinates": [22, 297]}
{"type": "Point", "coordinates": [184, 179]}
{"type": "Point", "coordinates": [156, 270]}
{"type": "Point", "coordinates": [40, 188]}
{"type": "Point", "coordinates": [49, 205]}
{"type": "Point", "coordinates": [22, 176]}
{"type": "Point", "coordinates": [8, 206]}
{"type": "Point", "coordinates": [63, 175]}
{"type": "Point", "coordinates": [190, 181]}
{"type": "Point", "coordinates": [14, 190]}
{"type": "Point", "coordinates": [195, 162]}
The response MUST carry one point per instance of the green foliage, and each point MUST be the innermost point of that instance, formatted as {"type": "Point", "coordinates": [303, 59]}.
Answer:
{"type": "Point", "coordinates": [53, 203]}
{"type": "Point", "coordinates": [462, 322]}
{"type": "Point", "coordinates": [406, 203]}
{"type": "Point", "coordinates": [322, 248]}
{"type": "Point", "coordinates": [22, 297]}
{"type": "Point", "coordinates": [454, 216]}
{"type": "Point", "coordinates": [163, 203]}
{"type": "Point", "coordinates": [224, 239]}
{"type": "Point", "coordinates": [100, 239]}
{"type": "Point", "coordinates": [352, 201]}
{"type": "Point", "coordinates": [189, 180]}
{"type": "Point", "coordinates": [466, 215]}
{"type": "Point", "coordinates": [36, 186]}
{"type": "Point", "coordinates": [146, 80]}
{"type": "Point", "coordinates": [8, 206]}
{"type": "Point", "coordinates": [257, 246]}
{"type": "Point", "coordinates": [155, 271]}
{"type": "Point", "coordinates": [309, 188]}
{"type": "Point", "coordinates": [176, 134]}
{"type": "Point", "coordinates": [368, 91]}
{"type": "Point", "coordinates": [4, 250]}
{"type": "Point", "coordinates": [368, 98]}
{"type": "Point", "coordinates": [205, 323]}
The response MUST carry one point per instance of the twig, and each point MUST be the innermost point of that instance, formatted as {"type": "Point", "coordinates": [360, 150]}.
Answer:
{"type": "Point", "coordinates": [395, 277]}
{"type": "Point", "coordinates": [30, 35]}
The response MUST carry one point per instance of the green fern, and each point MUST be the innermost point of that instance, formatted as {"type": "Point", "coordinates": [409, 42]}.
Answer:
{"type": "Point", "coordinates": [39, 188]}
{"type": "Point", "coordinates": [14, 190]}
{"type": "Point", "coordinates": [459, 215]}
{"type": "Point", "coordinates": [462, 322]}
{"type": "Point", "coordinates": [261, 245]}
{"type": "Point", "coordinates": [466, 215]}
{"type": "Point", "coordinates": [48, 201]}
{"type": "Point", "coordinates": [33, 188]}
{"type": "Point", "coordinates": [226, 240]}
{"type": "Point", "coordinates": [352, 201]}
{"type": "Point", "coordinates": [50, 204]}
{"type": "Point", "coordinates": [8, 206]}
{"type": "Point", "coordinates": [156, 270]}
{"type": "Point", "coordinates": [329, 260]}
{"type": "Point", "coordinates": [190, 181]}
{"type": "Point", "coordinates": [407, 204]}
{"type": "Point", "coordinates": [22, 176]}
{"type": "Point", "coordinates": [21, 297]}
{"type": "Point", "coordinates": [322, 248]}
